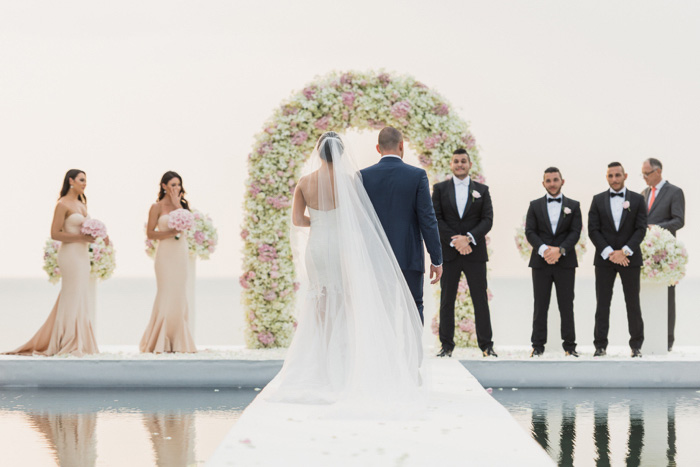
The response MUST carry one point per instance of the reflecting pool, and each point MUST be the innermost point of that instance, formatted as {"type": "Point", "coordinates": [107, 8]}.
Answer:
{"type": "Point", "coordinates": [95, 427]}
{"type": "Point", "coordinates": [609, 427]}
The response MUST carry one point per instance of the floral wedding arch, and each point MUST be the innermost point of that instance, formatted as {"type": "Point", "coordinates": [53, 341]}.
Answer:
{"type": "Point", "coordinates": [334, 102]}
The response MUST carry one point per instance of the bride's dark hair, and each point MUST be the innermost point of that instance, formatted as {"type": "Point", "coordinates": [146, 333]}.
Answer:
{"type": "Point", "coordinates": [325, 145]}
{"type": "Point", "coordinates": [167, 176]}
{"type": "Point", "coordinates": [71, 174]}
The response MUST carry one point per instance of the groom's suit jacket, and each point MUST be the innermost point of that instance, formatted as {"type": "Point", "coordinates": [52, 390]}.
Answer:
{"type": "Point", "coordinates": [633, 227]}
{"type": "Point", "coordinates": [476, 220]}
{"type": "Point", "coordinates": [400, 194]}
{"type": "Point", "coordinates": [668, 210]}
{"type": "Point", "coordinates": [538, 230]}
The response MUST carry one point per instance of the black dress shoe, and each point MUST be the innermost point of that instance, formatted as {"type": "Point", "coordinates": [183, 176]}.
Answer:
{"type": "Point", "coordinates": [489, 352]}
{"type": "Point", "coordinates": [571, 353]}
{"type": "Point", "coordinates": [636, 353]}
{"type": "Point", "coordinates": [536, 353]}
{"type": "Point", "coordinates": [600, 352]}
{"type": "Point", "coordinates": [444, 353]}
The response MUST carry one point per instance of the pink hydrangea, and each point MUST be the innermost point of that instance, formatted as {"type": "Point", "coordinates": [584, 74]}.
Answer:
{"type": "Point", "coordinates": [266, 338]}
{"type": "Point", "coordinates": [180, 220]}
{"type": "Point", "coordinates": [469, 141]}
{"type": "Point", "coordinates": [199, 237]}
{"type": "Point", "coordinates": [244, 234]}
{"type": "Point", "coordinates": [384, 79]}
{"type": "Point", "coordinates": [376, 124]}
{"type": "Point", "coordinates": [467, 325]}
{"type": "Point", "coordinates": [279, 202]}
{"type": "Point", "coordinates": [309, 92]}
{"type": "Point", "coordinates": [93, 227]}
{"type": "Point", "coordinates": [270, 295]}
{"type": "Point", "coordinates": [346, 78]}
{"type": "Point", "coordinates": [266, 253]}
{"type": "Point", "coordinates": [299, 138]}
{"type": "Point", "coordinates": [244, 283]}
{"type": "Point", "coordinates": [433, 140]}
{"type": "Point", "coordinates": [400, 109]}
{"type": "Point", "coordinates": [348, 99]}
{"type": "Point", "coordinates": [441, 109]}
{"type": "Point", "coordinates": [265, 148]}
{"type": "Point", "coordinates": [323, 122]}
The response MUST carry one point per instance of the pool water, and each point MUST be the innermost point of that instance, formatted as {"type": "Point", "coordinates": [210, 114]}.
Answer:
{"type": "Point", "coordinates": [609, 427]}
{"type": "Point", "coordinates": [95, 427]}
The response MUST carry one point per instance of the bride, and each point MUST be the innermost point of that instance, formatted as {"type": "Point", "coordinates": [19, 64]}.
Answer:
{"type": "Point", "coordinates": [359, 331]}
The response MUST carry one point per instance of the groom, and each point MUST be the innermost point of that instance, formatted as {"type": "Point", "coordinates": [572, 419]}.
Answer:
{"type": "Point", "coordinates": [400, 194]}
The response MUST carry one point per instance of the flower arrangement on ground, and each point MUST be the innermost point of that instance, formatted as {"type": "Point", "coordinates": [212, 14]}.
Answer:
{"type": "Point", "coordinates": [665, 258]}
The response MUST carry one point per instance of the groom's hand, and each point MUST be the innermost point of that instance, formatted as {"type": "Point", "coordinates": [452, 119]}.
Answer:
{"type": "Point", "coordinates": [437, 272]}
{"type": "Point", "coordinates": [462, 243]}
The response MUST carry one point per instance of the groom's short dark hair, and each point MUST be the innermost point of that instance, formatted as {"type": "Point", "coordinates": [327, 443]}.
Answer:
{"type": "Point", "coordinates": [389, 138]}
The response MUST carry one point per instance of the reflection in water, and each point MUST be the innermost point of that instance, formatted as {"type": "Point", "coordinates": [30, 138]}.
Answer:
{"type": "Point", "coordinates": [649, 418]}
{"type": "Point", "coordinates": [69, 421]}
{"type": "Point", "coordinates": [172, 435]}
{"type": "Point", "coordinates": [71, 437]}
{"type": "Point", "coordinates": [601, 434]}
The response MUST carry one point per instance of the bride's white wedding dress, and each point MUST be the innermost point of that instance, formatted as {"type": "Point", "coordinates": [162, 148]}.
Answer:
{"type": "Point", "coordinates": [358, 338]}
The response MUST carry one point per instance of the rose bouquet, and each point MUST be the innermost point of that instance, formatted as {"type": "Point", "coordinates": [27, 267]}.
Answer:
{"type": "Point", "coordinates": [202, 238]}
{"type": "Point", "coordinates": [525, 249]}
{"type": "Point", "coordinates": [181, 220]}
{"type": "Point", "coordinates": [93, 227]}
{"type": "Point", "coordinates": [102, 263]}
{"type": "Point", "coordinates": [665, 258]}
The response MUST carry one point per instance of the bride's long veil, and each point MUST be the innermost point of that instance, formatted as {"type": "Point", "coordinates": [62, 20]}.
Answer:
{"type": "Point", "coordinates": [359, 331]}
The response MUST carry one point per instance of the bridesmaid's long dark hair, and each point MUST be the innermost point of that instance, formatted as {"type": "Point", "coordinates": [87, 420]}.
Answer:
{"type": "Point", "coordinates": [72, 173]}
{"type": "Point", "coordinates": [167, 176]}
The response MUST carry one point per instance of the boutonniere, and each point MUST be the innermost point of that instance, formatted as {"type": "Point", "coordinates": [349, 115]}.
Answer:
{"type": "Point", "coordinates": [626, 205]}
{"type": "Point", "coordinates": [475, 195]}
{"type": "Point", "coordinates": [566, 211]}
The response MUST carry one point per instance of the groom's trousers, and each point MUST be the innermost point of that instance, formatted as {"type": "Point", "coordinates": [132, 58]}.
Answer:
{"type": "Point", "coordinates": [414, 279]}
{"type": "Point", "coordinates": [475, 272]}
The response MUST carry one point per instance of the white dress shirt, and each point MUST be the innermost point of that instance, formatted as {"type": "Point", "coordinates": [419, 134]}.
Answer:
{"type": "Point", "coordinates": [554, 211]}
{"type": "Point", "coordinates": [616, 209]}
{"type": "Point", "coordinates": [462, 196]}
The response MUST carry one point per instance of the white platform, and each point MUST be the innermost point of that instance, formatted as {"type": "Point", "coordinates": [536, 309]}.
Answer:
{"type": "Point", "coordinates": [464, 425]}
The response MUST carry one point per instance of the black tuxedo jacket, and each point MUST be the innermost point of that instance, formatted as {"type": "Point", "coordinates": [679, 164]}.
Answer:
{"type": "Point", "coordinates": [633, 226]}
{"type": "Point", "coordinates": [538, 230]}
{"type": "Point", "coordinates": [477, 219]}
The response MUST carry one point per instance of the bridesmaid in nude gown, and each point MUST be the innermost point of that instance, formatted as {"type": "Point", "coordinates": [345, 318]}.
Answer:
{"type": "Point", "coordinates": [169, 329]}
{"type": "Point", "coordinates": [68, 329]}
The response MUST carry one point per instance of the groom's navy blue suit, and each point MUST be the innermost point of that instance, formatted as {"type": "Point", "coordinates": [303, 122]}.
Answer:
{"type": "Point", "coordinates": [400, 194]}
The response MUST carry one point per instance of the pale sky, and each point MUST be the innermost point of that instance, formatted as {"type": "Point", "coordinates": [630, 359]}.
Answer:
{"type": "Point", "coordinates": [127, 90]}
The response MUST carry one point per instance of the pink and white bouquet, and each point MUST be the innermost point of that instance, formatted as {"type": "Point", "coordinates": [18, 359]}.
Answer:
{"type": "Point", "coordinates": [51, 260]}
{"type": "Point", "coordinates": [525, 249]}
{"type": "Point", "coordinates": [94, 227]}
{"type": "Point", "coordinates": [102, 263]}
{"type": "Point", "coordinates": [181, 220]}
{"type": "Point", "coordinates": [665, 258]}
{"type": "Point", "coordinates": [203, 237]}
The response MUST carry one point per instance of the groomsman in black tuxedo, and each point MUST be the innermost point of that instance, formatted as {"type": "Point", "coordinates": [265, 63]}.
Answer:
{"type": "Point", "coordinates": [617, 222]}
{"type": "Point", "coordinates": [553, 227]}
{"type": "Point", "coordinates": [665, 208]}
{"type": "Point", "coordinates": [465, 215]}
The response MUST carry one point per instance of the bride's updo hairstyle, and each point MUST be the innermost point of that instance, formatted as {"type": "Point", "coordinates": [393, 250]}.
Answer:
{"type": "Point", "coordinates": [71, 174]}
{"type": "Point", "coordinates": [326, 143]}
{"type": "Point", "coordinates": [167, 176]}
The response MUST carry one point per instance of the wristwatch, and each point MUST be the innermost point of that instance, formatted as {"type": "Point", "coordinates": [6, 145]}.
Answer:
{"type": "Point", "coordinates": [562, 250]}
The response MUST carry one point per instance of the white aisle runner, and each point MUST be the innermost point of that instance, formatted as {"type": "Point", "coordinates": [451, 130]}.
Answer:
{"type": "Point", "coordinates": [463, 426]}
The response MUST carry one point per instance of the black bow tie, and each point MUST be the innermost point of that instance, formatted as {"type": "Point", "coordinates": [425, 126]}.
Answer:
{"type": "Point", "coordinates": [620, 194]}
{"type": "Point", "coordinates": [554, 200]}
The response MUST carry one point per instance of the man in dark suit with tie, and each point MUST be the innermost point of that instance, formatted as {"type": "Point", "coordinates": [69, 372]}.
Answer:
{"type": "Point", "coordinates": [553, 227]}
{"type": "Point", "coordinates": [400, 194]}
{"type": "Point", "coordinates": [465, 215]}
{"type": "Point", "coordinates": [617, 223]}
{"type": "Point", "coordinates": [666, 208]}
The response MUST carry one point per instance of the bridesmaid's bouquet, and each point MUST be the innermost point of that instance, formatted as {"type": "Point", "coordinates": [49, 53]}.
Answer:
{"type": "Point", "coordinates": [102, 263]}
{"type": "Point", "coordinates": [665, 258]}
{"type": "Point", "coordinates": [51, 260]}
{"type": "Point", "coordinates": [181, 220]}
{"type": "Point", "coordinates": [93, 227]}
{"type": "Point", "coordinates": [202, 238]}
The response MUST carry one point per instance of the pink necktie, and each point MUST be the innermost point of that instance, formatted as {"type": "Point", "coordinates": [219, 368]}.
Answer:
{"type": "Point", "coordinates": [652, 198]}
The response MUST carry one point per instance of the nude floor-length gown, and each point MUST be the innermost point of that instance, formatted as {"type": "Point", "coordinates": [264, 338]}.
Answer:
{"type": "Point", "coordinates": [168, 329]}
{"type": "Point", "coordinates": [68, 329]}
